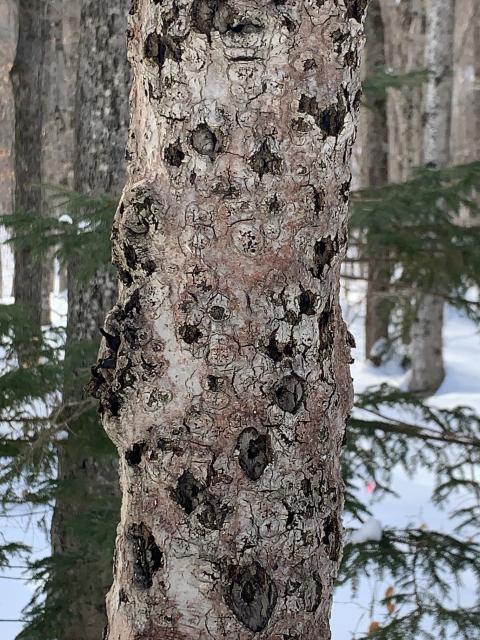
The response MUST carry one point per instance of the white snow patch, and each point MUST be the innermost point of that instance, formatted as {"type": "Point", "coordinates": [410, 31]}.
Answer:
{"type": "Point", "coordinates": [370, 531]}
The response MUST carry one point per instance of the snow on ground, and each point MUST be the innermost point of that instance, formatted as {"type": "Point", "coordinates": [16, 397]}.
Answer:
{"type": "Point", "coordinates": [412, 507]}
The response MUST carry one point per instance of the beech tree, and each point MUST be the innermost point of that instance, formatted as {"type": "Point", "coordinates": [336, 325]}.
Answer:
{"type": "Point", "coordinates": [223, 376]}
{"type": "Point", "coordinates": [427, 345]}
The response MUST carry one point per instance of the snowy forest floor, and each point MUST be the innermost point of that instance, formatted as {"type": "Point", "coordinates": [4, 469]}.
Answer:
{"type": "Point", "coordinates": [412, 507]}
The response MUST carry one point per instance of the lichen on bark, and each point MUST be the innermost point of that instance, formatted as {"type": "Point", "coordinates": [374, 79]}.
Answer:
{"type": "Point", "coordinates": [232, 360]}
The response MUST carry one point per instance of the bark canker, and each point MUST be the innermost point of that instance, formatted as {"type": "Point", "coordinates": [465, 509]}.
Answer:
{"type": "Point", "coordinates": [231, 385]}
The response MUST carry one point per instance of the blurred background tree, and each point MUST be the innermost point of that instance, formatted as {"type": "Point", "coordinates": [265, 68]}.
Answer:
{"type": "Point", "coordinates": [415, 247]}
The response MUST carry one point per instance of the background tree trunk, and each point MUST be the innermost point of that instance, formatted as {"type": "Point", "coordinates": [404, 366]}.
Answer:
{"type": "Point", "coordinates": [427, 371]}
{"type": "Point", "coordinates": [404, 38]}
{"type": "Point", "coordinates": [87, 462]}
{"type": "Point", "coordinates": [375, 174]}
{"type": "Point", "coordinates": [27, 90]}
{"type": "Point", "coordinates": [231, 386]}
{"type": "Point", "coordinates": [8, 44]}
{"type": "Point", "coordinates": [59, 82]}
{"type": "Point", "coordinates": [404, 25]}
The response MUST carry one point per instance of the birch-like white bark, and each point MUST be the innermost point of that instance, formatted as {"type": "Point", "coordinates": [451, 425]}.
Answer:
{"type": "Point", "coordinates": [427, 372]}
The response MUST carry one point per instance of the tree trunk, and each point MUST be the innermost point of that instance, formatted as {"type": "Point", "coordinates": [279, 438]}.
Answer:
{"type": "Point", "coordinates": [375, 174]}
{"type": "Point", "coordinates": [27, 90]}
{"type": "Point", "coordinates": [427, 371]}
{"type": "Point", "coordinates": [404, 24]}
{"type": "Point", "coordinates": [8, 43]}
{"type": "Point", "coordinates": [465, 134]}
{"type": "Point", "coordinates": [87, 466]}
{"type": "Point", "coordinates": [59, 82]}
{"type": "Point", "coordinates": [230, 386]}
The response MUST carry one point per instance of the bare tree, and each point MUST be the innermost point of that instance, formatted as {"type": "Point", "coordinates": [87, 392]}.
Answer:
{"type": "Point", "coordinates": [8, 42]}
{"type": "Point", "coordinates": [427, 371]}
{"type": "Point", "coordinates": [59, 75]}
{"type": "Point", "coordinates": [375, 174]}
{"type": "Point", "coordinates": [88, 469]}
{"type": "Point", "coordinates": [26, 77]}
{"type": "Point", "coordinates": [224, 377]}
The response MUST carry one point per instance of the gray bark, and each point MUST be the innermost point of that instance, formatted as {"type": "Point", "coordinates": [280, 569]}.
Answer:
{"type": "Point", "coordinates": [100, 143]}
{"type": "Point", "coordinates": [26, 77]}
{"type": "Point", "coordinates": [59, 82]}
{"type": "Point", "coordinates": [8, 44]}
{"type": "Point", "coordinates": [404, 52]}
{"type": "Point", "coordinates": [428, 371]}
{"type": "Point", "coordinates": [230, 386]}
{"type": "Point", "coordinates": [375, 174]}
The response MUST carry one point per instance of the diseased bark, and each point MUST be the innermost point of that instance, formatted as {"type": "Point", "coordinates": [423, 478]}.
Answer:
{"type": "Point", "coordinates": [224, 377]}
{"type": "Point", "coordinates": [27, 90]}
{"type": "Point", "coordinates": [375, 174]}
{"type": "Point", "coordinates": [89, 466]}
{"type": "Point", "coordinates": [8, 42]}
{"type": "Point", "coordinates": [428, 371]}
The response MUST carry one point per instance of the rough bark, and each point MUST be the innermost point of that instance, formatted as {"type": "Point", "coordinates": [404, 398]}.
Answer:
{"type": "Point", "coordinates": [428, 371]}
{"type": "Point", "coordinates": [224, 377]}
{"type": "Point", "coordinates": [88, 466]}
{"type": "Point", "coordinates": [26, 77]}
{"type": "Point", "coordinates": [8, 43]}
{"type": "Point", "coordinates": [375, 174]}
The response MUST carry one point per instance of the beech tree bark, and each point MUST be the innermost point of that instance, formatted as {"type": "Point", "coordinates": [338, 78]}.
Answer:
{"type": "Point", "coordinates": [428, 371]}
{"type": "Point", "coordinates": [26, 77]}
{"type": "Point", "coordinates": [224, 378]}
{"type": "Point", "coordinates": [86, 464]}
{"type": "Point", "coordinates": [375, 174]}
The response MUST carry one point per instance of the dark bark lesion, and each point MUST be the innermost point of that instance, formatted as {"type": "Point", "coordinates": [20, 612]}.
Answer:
{"type": "Point", "coordinates": [254, 452]}
{"type": "Point", "coordinates": [265, 160]}
{"type": "Point", "coordinates": [289, 393]}
{"type": "Point", "coordinates": [146, 555]}
{"type": "Point", "coordinates": [252, 595]}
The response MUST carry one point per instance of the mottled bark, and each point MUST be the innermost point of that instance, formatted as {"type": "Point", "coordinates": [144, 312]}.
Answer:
{"type": "Point", "coordinates": [427, 371]}
{"type": "Point", "coordinates": [8, 43]}
{"type": "Point", "coordinates": [375, 174]}
{"type": "Point", "coordinates": [224, 377]}
{"type": "Point", "coordinates": [85, 463]}
{"type": "Point", "coordinates": [27, 90]}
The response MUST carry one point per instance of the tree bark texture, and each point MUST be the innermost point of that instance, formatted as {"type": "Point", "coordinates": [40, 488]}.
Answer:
{"type": "Point", "coordinates": [224, 376]}
{"type": "Point", "coordinates": [375, 174]}
{"type": "Point", "coordinates": [26, 77]}
{"type": "Point", "coordinates": [59, 71]}
{"type": "Point", "coordinates": [404, 24]}
{"type": "Point", "coordinates": [87, 466]}
{"type": "Point", "coordinates": [428, 371]}
{"type": "Point", "coordinates": [8, 44]}
{"type": "Point", "coordinates": [465, 129]}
